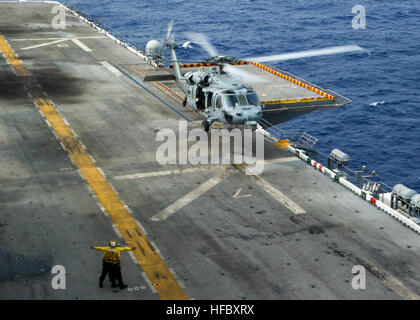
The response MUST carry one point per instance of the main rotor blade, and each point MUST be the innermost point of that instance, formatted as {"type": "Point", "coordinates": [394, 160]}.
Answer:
{"type": "Point", "coordinates": [308, 53]}
{"type": "Point", "coordinates": [170, 25]}
{"type": "Point", "coordinates": [202, 40]}
{"type": "Point", "coordinates": [246, 76]}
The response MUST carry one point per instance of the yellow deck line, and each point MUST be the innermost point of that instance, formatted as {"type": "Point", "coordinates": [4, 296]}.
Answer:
{"type": "Point", "coordinates": [11, 58]}
{"type": "Point", "coordinates": [293, 100]}
{"type": "Point", "coordinates": [152, 264]}
{"type": "Point", "coordinates": [150, 261]}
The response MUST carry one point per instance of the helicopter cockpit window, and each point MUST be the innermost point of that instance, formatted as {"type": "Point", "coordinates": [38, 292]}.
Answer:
{"type": "Point", "coordinates": [209, 97]}
{"type": "Point", "coordinates": [230, 100]}
{"type": "Point", "coordinates": [253, 99]}
{"type": "Point", "coordinates": [219, 102]}
{"type": "Point", "coordinates": [242, 100]}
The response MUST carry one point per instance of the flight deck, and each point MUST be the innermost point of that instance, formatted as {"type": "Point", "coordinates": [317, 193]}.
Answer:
{"type": "Point", "coordinates": [78, 147]}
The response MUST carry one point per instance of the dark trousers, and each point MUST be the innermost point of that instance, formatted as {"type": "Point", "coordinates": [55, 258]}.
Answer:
{"type": "Point", "coordinates": [114, 271]}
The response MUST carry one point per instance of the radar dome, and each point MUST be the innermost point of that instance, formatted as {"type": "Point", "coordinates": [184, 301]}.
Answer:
{"type": "Point", "coordinates": [154, 48]}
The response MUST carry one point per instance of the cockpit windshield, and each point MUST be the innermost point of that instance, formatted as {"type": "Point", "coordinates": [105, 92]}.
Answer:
{"type": "Point", "coordinates": [232, 100]}
{"type": "Point", "coordinates": [229, 100]}
{"type": "Point", "coordinates": [242, 100]}
{"type": "Point", "coordinates": [253, 99]}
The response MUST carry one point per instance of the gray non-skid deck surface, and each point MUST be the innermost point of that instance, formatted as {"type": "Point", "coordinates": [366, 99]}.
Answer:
{"type": "Point", "coordinates": [276, 88]}
{"type": "Point", "coordinates": [221, 245]}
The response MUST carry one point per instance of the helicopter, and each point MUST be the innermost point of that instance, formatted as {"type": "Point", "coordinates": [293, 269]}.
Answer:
{"type": "Point", "coordinates": [220, 92]}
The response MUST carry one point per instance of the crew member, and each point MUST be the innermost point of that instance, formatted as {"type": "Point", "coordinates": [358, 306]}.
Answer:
{"type": "Point", "coordinates": [111, 264]}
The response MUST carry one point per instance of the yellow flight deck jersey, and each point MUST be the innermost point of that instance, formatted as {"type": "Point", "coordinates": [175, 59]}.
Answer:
{"type": "Point", "coordinates": [112, 254]}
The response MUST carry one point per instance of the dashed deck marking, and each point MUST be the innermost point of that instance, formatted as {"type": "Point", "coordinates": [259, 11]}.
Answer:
{"type": "Point", "coordinates": [155, 270]}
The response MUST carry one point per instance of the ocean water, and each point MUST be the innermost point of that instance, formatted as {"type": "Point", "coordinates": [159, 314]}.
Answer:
{"type": "Point", "coordinates": [380, 129]}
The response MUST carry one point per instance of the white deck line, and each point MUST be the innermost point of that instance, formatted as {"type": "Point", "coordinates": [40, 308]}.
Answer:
{"type": "Point", "coordinates": [182, 202]}
{"type": "Point", "coordinates": [81, 45]}
{"type": "Point", "coordinates": [142, 175]}
{"type": "Point", "coordinates": [111, 68]}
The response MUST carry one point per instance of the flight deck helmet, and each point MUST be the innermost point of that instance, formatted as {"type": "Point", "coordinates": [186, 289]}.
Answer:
{"type": "Point", "coordinates": [113, 243]}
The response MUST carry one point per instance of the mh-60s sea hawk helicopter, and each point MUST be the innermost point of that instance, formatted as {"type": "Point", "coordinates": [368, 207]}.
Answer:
{"type": "Point", "coordinates": [220, 93]}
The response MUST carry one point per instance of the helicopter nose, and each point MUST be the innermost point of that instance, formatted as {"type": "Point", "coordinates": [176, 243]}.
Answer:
{"type": "Point", "coordinates": [255, 114]}
{"type": "Point", "coordinates": [249, 114]}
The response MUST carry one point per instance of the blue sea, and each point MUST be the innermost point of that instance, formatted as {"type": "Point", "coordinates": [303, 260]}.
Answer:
{"type": "Point", "coordinates": [380, 129]}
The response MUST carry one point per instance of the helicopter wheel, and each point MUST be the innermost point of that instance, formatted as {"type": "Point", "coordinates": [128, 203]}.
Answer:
{"type": "Point", "coordinates": [205, 126]}
{"type": "Point", "coordinates": [184, 103]}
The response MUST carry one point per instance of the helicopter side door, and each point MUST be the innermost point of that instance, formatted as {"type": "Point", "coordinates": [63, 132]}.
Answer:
{"type": "Point", "coordinates": [191, 97]}
{"type": "Point", "coordinates": [209, 100]}
{"type": "Point", "coordinates": [213, 102]}
{"type": "Point", "coordinates": [200, 98]}
{"type": "Point", "coordinates": [217, 107]}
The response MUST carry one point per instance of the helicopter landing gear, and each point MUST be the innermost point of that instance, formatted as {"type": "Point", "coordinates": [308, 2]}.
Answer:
{"type": "Point", "coordinates": [251, 124]}
{"type": "Point", "coordinates": [184, 103]}
{"type": "Point", "coordinates": [205, 125]}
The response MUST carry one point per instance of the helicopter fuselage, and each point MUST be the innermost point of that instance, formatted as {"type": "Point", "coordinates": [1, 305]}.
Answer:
{"type": "Point", "coordinates": [220, 96]}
